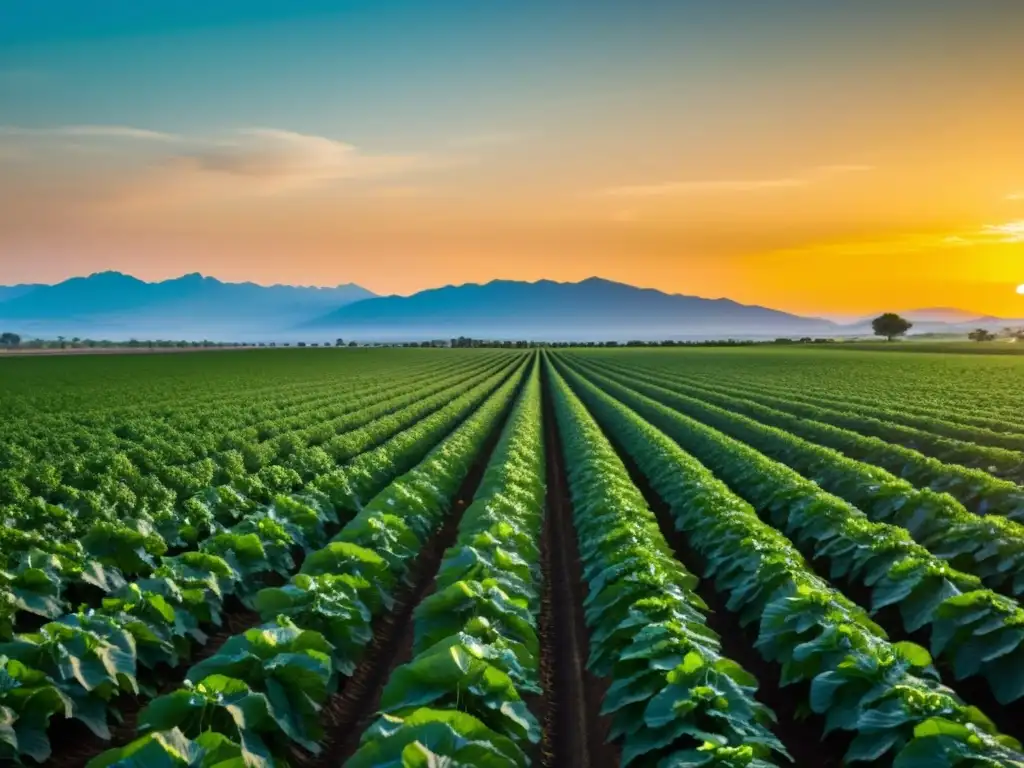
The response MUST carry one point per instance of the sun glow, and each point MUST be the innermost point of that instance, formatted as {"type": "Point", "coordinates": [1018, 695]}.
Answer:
{"type": "Point", "coordinates": [1020, 289]}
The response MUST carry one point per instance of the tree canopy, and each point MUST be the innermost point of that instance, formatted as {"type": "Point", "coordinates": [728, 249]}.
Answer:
{"type": "Point", "coordinates": [890, 325]}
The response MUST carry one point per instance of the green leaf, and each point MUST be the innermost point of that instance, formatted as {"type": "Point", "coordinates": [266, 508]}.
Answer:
{"type": "Point", "coordinates": [913, 653]}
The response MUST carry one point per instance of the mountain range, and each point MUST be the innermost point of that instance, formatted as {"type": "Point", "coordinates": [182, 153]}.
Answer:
{"type": "Point", "coordinates": [592, 309]}
{"type": "Point", "coordinates": [116, 306]}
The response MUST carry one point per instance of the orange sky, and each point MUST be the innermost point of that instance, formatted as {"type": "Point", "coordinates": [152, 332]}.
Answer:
{"type": "Point", "coordinates": [875, 164]}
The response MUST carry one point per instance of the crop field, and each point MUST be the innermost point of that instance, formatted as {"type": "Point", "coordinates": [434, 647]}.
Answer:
{"type": "Point", "coordinates": [490, 558]}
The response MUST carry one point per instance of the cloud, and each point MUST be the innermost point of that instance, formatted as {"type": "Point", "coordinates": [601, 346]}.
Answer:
{"type": "Point", "coordinates": [1015, 196]}
{"type": "Point", "coordinates": [1011, 232]}
{"type": "Point", "coordinates": [715, 186]}
{"type": "Point", "coordinates": [296, 159]}
{"type": "Point", "coordinates": [257, 162]}
{"type": "Point", "coordinates": [89, 131]}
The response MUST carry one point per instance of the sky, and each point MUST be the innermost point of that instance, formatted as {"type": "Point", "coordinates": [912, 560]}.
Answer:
{"type": "Point", "coordinates": [817, 156]}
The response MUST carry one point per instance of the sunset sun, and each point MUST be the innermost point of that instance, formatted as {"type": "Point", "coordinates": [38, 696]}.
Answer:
{"type": "Point", "coordinates": [1020, 289]}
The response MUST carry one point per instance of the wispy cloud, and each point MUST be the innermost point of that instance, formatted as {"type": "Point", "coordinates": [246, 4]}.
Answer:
{"type": "Point", "coordinates": [1011, 232]}
{"type": "Point", "coordinates": [258, 162]}
{"type": "Point", "coordinates": [990, 235]}
{"type": "Point", "coordinates": [712, 186]}
{"type": "Point", "coordinates": [289, 157]}
{"type": "Point", "coordinates": [1015, 196]}
{"type": "Point", "coordinates": [89, 131]}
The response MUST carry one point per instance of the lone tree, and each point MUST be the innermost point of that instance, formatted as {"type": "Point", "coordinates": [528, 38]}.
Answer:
{"type": "Point", "coordinates": [890, 325]}
{"type": "Point", "coordinates": [9, 339]}
{"type": "Point", "coordinates": [981, 335]}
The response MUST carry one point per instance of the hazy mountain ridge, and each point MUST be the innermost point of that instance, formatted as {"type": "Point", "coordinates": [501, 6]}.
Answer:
{"type": "Point", "coordinates": [113, 304]}
{"type": "Point", "coordinates": [591, 309]}
{"type": "Point", "coordinates": [118, 306]}
{"type": "Point", "coordinates": [949, 320]}
{"type": "Point", "coordinates": [950, 315]}
{"type": "Point", "coordinates": [8, 292]}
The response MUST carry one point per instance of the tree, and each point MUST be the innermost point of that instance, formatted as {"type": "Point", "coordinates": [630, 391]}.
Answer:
{"type": "Point", "coordinates": [890, 325]}
{"type": "Point", "coordinates": [352, 344]}
{"type": "Point", "coordinates": [9, 339]}
{"type": "Point", "coordinates": [981, 335]}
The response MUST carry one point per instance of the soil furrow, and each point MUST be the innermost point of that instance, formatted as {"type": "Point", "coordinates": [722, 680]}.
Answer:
{"type": "Point", "coordinates": [575, 730]}
{"type": "Point", "coordinates": [355, 707]}
{"type": "Point", "coordinates": [798, 729]}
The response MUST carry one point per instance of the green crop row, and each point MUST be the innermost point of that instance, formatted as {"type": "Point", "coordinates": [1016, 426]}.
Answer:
{"type": "Point", "coordinates": [40, 569]}
{"type": "Point", "coordinates": [949, 414]}
{"type": "Point", "coordinates": [675, 699]}
{"type": "Point", "coordinates": [977, 490]}
{"type": "Point", "coordinates": [139, 472]}
{"type": "Point", "coordinates": [991, 548]}
{"type": "Point", "coordinates": [886, 695]}
{"type": "Point", "coordinates": [475, 647]}
{"type": "Point", "coordinates": [1000, 461]}
{"type": "Point", "coordinates": [890, 409]}
{"type": "Point", "coordinates": [975, 630]}
{"type": "Point", "coordinates": [904, 396]}
{"type": "Point", "coordinates": [263, 691]}
{"type": "Point", "coordinates": [156, 620]}
{"type": "Point", "coordinates": [948, 386]}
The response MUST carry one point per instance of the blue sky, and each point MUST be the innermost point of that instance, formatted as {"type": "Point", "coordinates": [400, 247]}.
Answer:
{"type": "Point", "coordinates": [677, 143]}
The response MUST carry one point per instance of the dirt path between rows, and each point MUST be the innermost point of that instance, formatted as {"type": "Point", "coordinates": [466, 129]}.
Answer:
{"type": "Point", "coordinates": [575, 732]}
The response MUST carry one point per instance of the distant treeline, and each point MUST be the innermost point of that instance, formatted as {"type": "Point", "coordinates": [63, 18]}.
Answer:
{"type": "Point", "coordinates": [13, 341]}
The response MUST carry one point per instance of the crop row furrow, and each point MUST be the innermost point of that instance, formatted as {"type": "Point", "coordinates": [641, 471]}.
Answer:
{"type": "Point", "coordinates": [1001, 462]}
{"type": "Point", "coordinates": [675, 699]}
{"type": "Point", "coordinates": [885, 695]}
{"type": "Point", "coordinates": [156, 620]}
{"type": "Point", "coordinates": [974, 631]}
{"type": "Point", "coordinates": [261, 697]}
{"type": "Point", "coordinates": [976, 489]}
{"type": "Point", "coordinates": [41, 571]}
{"type": "Point", "coordinates": [991, 548]}
{"type": "Point", "coordinates": [942, 421]}
{"type": "Point", "coordinates": [475, 647]}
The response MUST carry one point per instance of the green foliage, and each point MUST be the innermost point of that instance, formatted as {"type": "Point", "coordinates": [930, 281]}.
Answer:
{"type": "Point", "coordinates": [139, 486]}
{"type": "Point", "coordinates": [459, 701]}
{"type": "Point", "coordinates": [674, 697]}
{"type": "Point", "coordinates": [890, 325]}
{"type": "Point", "coordinates": [173, 749]}
{"type": "Point", "coordinates": [882, 692]}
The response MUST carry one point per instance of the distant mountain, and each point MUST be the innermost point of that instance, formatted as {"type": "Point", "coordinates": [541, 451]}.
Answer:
{"type": "Point", "coordinates": [8, 292]}
{"type": "Point", "coordinates": [947, 315]}
{"type": "Point", "coordinates": [591, 309]}
{"type": "Point", "coordinates": [943, 320]}
{"type": "Point", "coordinates": [114, 305]}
